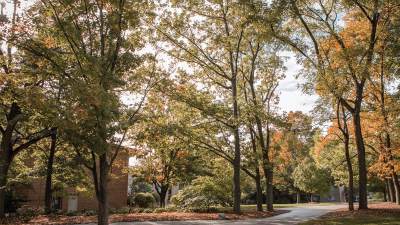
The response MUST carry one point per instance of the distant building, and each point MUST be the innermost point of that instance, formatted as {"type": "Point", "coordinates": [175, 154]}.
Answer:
{"type": "Point", "coordinates": [336, 194]}
{"type": "Point", "coordinates": [71, 199]}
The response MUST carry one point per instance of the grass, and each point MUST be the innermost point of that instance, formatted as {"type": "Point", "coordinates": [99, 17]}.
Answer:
{"type": "Point", "coordinates": [378, 214]}
{"type": "Point", "coordinates": [250, 208]}
{"type": "Point", "coordinates": [358, 220]}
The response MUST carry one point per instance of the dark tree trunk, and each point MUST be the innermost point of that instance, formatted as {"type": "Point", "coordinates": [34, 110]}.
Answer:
{"type": "Point", "coordinates": [163, 195]}
{"type": "Point", "coordinates": [362, 167]}
{"type": "Point", "coordinates": [350, 172]}
{"type": "Point", "coordinates": [391, 190]}
{"type": "Point", "coordinates": [342, 123]}
{"type": "Point", "coordinates": [388, 194]}
{"type": "Point", "coordinates": [236, 183]}
{"type": "Point", "coordinates": [268, 170]}
{"type": "Point", "coordinates": [257, 177]}
{"type": "Point", "coordinates": [270, 194]}
{"type": "Point", "coordinates": [396, 186]}
{"type": "Point", "coordinates": [259, 196]}
{"type": "Point", "coordinates": [395, 178]}
{"type": "Point", "coordinates": [6, 152]}
{"type": "Point", "coordinates": [384, 194]}
{"type": "Point", "coordinates": [49, 174]}
{"type": "Point", "coordinates": [237, 154]}
{"type": "Point", "coordinates": [102, 196]}
{"type": "Point", "coordinates": [3, 182]}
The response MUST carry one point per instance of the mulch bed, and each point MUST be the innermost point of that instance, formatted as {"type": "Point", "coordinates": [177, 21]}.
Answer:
{"type": "Point", "coordinates": [164, 216]}
{"type": "Point", "coordinates": [374, 209]}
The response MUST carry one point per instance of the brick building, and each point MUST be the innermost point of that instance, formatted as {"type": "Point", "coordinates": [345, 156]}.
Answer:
{"type": "Point", "coordinates": [73, 200]}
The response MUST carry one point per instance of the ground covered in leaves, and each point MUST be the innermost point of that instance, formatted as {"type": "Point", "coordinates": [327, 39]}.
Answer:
{"type": "Point", "coordinates": [130, 217]}
{"type": "Point", "coordinates": [377, 214]}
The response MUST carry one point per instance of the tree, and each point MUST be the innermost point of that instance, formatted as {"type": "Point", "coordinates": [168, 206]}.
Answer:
{"type": "Point", "coordinates": [291, 144]}
{"type": "Point", "coordinates": [311, 179]}
{"type": "Point", "coordinates": [319, 22]}
{"type": "Point", "coordinates": [261, 80]}
{"type": "Point", "coordinates": [209, 191]}
{"type": "Point", "coordinates": [85, 45]}
{"type": "Point", "coordinates": [168, 156]}
{"type": "Point", "coordinates": [382, 102]}
{"type": "Point", "coordinates": [20, 100]}
{"type": "Point", "coordinates": [214, 48]}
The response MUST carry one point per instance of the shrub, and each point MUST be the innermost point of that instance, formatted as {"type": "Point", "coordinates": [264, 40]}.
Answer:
{"type": "Point", "coordinates": [28, 211]}
{"type": "Point", "coordinates": [123, 210]}
{"type": "Point", "coordinates": [166, 209]}
{"type": "Point", "coordinates": [144, 200]}
{"type": "Point", "coordinates": [89, 212]}
{"type": "Point", "coordinates": [73, 213]}
{"type": "Point", "coordinates": [202, 194]}
{"type": "Point", "coordinates": [147, 210]}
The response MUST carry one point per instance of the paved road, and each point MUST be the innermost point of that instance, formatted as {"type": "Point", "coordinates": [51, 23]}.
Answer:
{"type": "Point", "coordinates": [295, 216]}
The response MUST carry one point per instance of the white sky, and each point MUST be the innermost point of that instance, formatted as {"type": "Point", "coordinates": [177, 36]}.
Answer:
{"type": "Point", "coordinates": [291, 96]}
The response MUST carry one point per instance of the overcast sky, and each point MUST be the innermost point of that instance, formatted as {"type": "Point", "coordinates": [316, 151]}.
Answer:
{"type": "Point", "coordinates": [291, 96]}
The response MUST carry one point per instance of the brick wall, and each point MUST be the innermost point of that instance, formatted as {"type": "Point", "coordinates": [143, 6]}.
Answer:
{"type": "Point", "coordinates": [117, 189]}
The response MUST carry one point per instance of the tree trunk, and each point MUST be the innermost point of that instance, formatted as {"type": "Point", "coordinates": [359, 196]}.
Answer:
{"type": "Point", "coordinates": [257, 177]}
{"type": "Point", "coordinates": [362, 168]}
{"type": "Point", "coordinates": [103, 191]}
{"type": "Point", "coordinates": [236, 159]}
{"type": "Point", "coordinates": [388, 197]}
{"type": "Point", "coordinates": [236, 185]}
{"type": "Point", "coordinates": [163, 195]}
{"type": "Point", "coordinates": [49, 174]}
{"type": "Point", "coordinates": [396, 188]}
{"type": "Point", "coordinates": [3, 182]}
{"type": "Point", "coordinates": [7, 151]}
{"type": "Point", "coordinates": [350, 172]}
{"type": "Point", "coordinates": [395, 178]}
{"type": "Point", "coordinates": [270, 194]}
{"type": "Point", "coordinates": [268, 170]}
{"type": "Point", "coordinates": [384, 195]}
{"type": "Point", "coordinates": [259, 196]}
{"type": "Point", "coordinates": [298, 197]}
{"type": "Point", "coordinates": [391, 190]}
{"type": "Point", "coordinates": [5, 161]}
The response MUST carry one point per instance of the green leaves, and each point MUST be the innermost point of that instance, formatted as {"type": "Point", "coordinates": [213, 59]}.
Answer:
{"type": "Point", "coordinates": [311, 179]}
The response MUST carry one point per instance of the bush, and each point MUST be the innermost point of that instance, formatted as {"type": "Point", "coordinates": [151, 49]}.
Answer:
{"type": "Point", "coordinates": [144, 200]}
{"type": "Point", "coordinates": [148, 210]}
{"type": "Point", "coordinates": [136, 210]}
{"type": "Point", "coordinates": [29, 212]}
{"type": "Point", "coordinates": [202, 210]}
{"type": "Point", "coordinates": [167, 209]}
{"type": "Point", "coordinates": [89, 212]}
{"type": "Point", "coordinates": [123, 210]}
{"type": "Point", "coordinates": [73, 213]}
{"type": "Point", "coordinates": [202, 194]}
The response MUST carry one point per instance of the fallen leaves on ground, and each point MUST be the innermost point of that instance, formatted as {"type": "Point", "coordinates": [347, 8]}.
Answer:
{"type": "Point", "coordinates": [374, 209]}
{"type": "Point", "coordinates": [164, 216]}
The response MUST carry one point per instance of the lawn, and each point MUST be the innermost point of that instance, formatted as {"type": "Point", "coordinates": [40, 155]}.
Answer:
{"type": "Point", "coordinates": [378, 214]}
{"type": "Point", "coordinates": [250, 208]}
